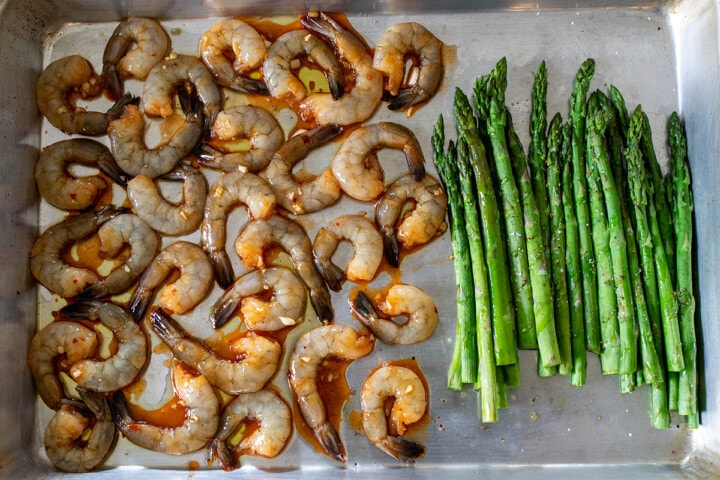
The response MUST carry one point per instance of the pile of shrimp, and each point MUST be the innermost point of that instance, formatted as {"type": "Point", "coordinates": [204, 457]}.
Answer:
{"type": "Point", "coordinates": [168, 258]}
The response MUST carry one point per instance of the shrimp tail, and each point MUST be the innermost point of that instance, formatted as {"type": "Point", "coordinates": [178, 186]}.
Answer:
{"type": "Point", "coordinates": [223, 268]}
{"type": "Point", "coordinates": [337, 86]}
{"type": "Point", "coordinates": [140, 302]}
{"type": "Point", "coordinates": [321, 24]}
{"type": "Point", "coordinates": [111, 80]}
{"type": "Point", "coordinates": [164, 325]}
{"type": "Point", "coordinates": [391, 247]}
{"type": "Point", "coordinates": [251, 86]}
{"type": "Point", "coordinates": [109, 167]}
{"type": "Point", "coordinates": [223, 310]}
{"type": "Point", "coordinates": [96, 403]}
{"type": "Point", "coordinates": [403, 449]}
{"type": "Point", "coordinates": [321, 135]}
{"type": "Point", "coordinates": [363, 307]}
{"type": "Point", "coordinates": [407, 97]}
{"type": "Point", "coordinates": [117, 109]}
{"type": "Point", "coordinates": [322, 305]}
{"type": "Point", "coordinates": [87, 309]}
{"type": "Point", "coordinates": [219, 449]}
{"type": "Point", "coordinates": [330, 441]}
{"type": "Point", "coordinates": [93, 292]}
{"type": "Point", "coordinates": [334, 276]}
{"type": "Point", "coordinates": [192, 106]}
{"type": "Point", "coordinates": [117, 403]}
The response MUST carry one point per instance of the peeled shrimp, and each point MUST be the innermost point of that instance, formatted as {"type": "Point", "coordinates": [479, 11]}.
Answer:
{"type": "Point", "coordinates": [258, 357]}
{"type": "Point", "coordinates": [121, 368]}
{"type": "Point", "coordinates": [188, 290]}
{"type": "Point", "coordinates": [120, 61]}
{"type": "Point", "coordinates": [255, 124]}
{"type": "Point", "coordinates": [311, 195]}
{"type": "Point", "coordinates": [367, 244]}
{"type": "Point", "coordinates": [359, 103]}
{"type": "Point", "coordinates": [198, 428]}
{"type": "Point", "coordinates": [46, 254]}
{"type": "Point", "coordinates": [282, 83]}
{"type": "Point", "coordinates": [285, 308]}
{"type": "Point", "coordinates": [292, 238]}
{"type": "Point", "coordinates": [399, 41]}
{"type": "Point", "coordinates": [409, 405]}
{"type": "Point", "coordinates": [165, 217]}
{"type": "Point", "coordinates": [401, 300]}
{"type": "Point", "coordinates": [357, 169]}
{"type": "Point", "coordinates": [59, 82]}
{"type": "Point", "coordinates": [248, 47]}
{"type": "Point", "coordinates": [63, 190]}
{"type": "Point", "coordinates": [311, 350]}
{"type": "Point", "coordinates": [424, 222]}
{"type": "Point", "coordinates": [268, 440]}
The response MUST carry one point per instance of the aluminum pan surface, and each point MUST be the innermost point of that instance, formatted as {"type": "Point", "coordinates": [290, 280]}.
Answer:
{"type": "Point", "coordinates": [549, 422]}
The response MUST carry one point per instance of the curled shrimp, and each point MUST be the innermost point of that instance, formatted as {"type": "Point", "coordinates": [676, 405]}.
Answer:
{"type": "Point", "coordinates": [292, 238]}
{"type": "Point", "coordinates": [188, 290]}
{"type": "Point", "coordinates": [121, 368]}
{"type": "Point", "coordinates": [248, 48]}
{"type": "Point", "coordinates": [311, 350]}
{"type": "Point", "coordinates": [408, 407]}
{"type": "Point", "coordinates": [268, 440]}
{"type": "Point", "coordinates": [57, 346]}
{"type": "Point", "coordinates": [423, 223]}
{"type": "Point", "coordinates": [367, 244]}
{"type": "Point", "coordinates": [258, 126]}
{"type": "Point", "coordinates": [307, 196]}
{"type": "Point", "coordinates": [68, 78]}
{"type": "Point", "coordinates": [278, 66]}
{"type": "Point", "coordinates": [115, 235]}
{"type": "Point", "coordinates": [257, 357]}
{"type": "Point", "coordinates": [395, 45]}
{"type": "Point", "coordinates": [198, 428]}
{"type": "Point", "coordinates": [165, 217]}
{"type": "Point", "coordinates": [63, 190]}
{"type": "Point", "coordinates": [359, 103]}
{"type": "Point", "coordinates": [120, 61]}
{"type": "Point", "coordinates": [285, 307]}
{"type": "Point", "coordinates": [401, 300]}
{"type": "Point", "coordinates": [81, 434]}
{"type": "Point", "coordinates": [46, 254]}
{"type": "Point", "coordinates": [357, 169]}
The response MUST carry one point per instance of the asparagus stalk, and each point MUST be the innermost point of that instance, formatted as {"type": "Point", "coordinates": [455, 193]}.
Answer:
{"type": "Point", "coordinates": [623, 118]}
{"type": "Point", "coordinates": [538, 150]}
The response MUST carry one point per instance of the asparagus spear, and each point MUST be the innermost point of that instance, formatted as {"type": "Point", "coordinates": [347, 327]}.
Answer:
{"type": "Point", "coordinates": [538, 150]}
{"type": "Point", "coordinates": [622, 113]}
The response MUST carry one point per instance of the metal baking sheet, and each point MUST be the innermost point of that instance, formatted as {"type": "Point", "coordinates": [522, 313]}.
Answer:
{"type": "Point", "coordinates": [661, 55]}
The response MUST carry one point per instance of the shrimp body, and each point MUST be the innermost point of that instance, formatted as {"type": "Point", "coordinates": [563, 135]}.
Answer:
{"type": "Point", "coordinates": [404, 300]}
{"type": "Point", "coordinates": [163, 216]}
{"type": "Point", "coordinates": [285, 307]}
{"type": "Point", "coordinates": [404, 385]}
{"type": "Point", "coordinates": [292, 238]}
{"type": "Point", "coordinates": [359, 103]}
{"type": "Point", "coordinates": [423, 223]}
{"type": "Point", "coordinates": [248, 47]}
{"type": "Point", "coordinates": [308, 196]}
{"type": "Point", "coordinates": [311, 350]}
{"type": "Point", "coordinates": [275, 426]}
{"type": "Point", "coordinates": [399, 41]}
{"type": "Point", "coordinates": [367, 244]}
{"type": "Point", "coordinates": [357, 169]}
{"type": "Point", "coordinates": [259, 357]}
{"type": "Point", "coordinates": [201, 417]}
{"type": "Point", "coordinates": [188, 290]}
{"type": "Point", "coordinates": [121, 368]}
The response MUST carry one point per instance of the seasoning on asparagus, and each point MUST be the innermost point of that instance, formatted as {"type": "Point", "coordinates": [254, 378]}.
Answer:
{"type": "Point", "coordinates": [538, 150]}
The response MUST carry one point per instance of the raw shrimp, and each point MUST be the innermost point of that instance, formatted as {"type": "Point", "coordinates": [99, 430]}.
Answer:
{"type": "Point", "coordinates": [395, 45]}
{"type": "Point", "coordinates": [165, 217]}
{"type": "Point", "coordinates": [401, 300]}
{"type": "Point", "coordinates": [248, 48]}
{"type": "Point", "coordinates": [356, 167]}
{"type": "Point", "coordinates": [408, 407]}
{"type": "Point", "coordinates": [201, 417]}
{"type": "Point", "coordinates": [311, 195]}
{"type": "Point", "coordinates": [257, 361]}
{"type": "Point", "coordinates": [367, 244]}
{"type": "Point", "coordinates": [423, 223]}
{"type": "Point", "coordinates": [57, 346]}
{"type": "Point", "coordinates": [311, 350]}
{"type": "Point", "coordinates": [59, 187]}
{"type": "Point", "coordinates": [115, 235]}
{"type": "Point", "coordinates": [359, 103]}
{"type": "Point", "coordinates": [68, 444]}
{"type": "Point", "coordinates": [278, 66]}
{"type": "Point", "coordinates": [121, 368]}
{"type": "Point", "coordinates": [66, 79]}
{"type": "Point", "coordinates": [255, 124]}
{"type": "Point", "coordinates": [292, 238]}
{"type": "Point", "coordinates": [46, 254]}
{"type": "Point", "coordinates": [229, 190]}
{"type": "Point", "coordinates": [188, 290]}
{"type": "Point", "coordinates": [285, 307]}
{"type": "Point", "coordinates": [275, 426]}
{"type": "Point", "coordinates": [151, 44]}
